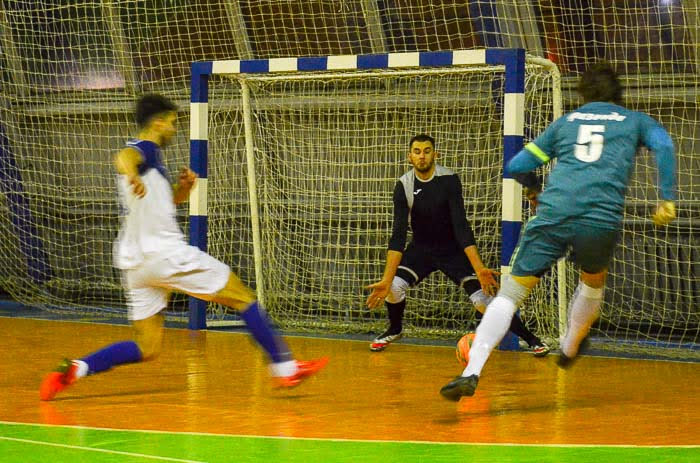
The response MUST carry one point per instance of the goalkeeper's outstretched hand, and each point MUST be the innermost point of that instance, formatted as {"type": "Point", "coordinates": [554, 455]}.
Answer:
{"type": "Point", "coordinates": [487, 280]}
{"type": "Point", "coordinates": [380, 290]}
{"type": "Point", "coordinates": [664, 213]}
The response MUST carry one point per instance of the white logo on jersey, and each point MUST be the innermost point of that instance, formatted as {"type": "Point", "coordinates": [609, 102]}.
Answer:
{"type": "Point", "coordinates": [614, 116]}
{"type": "Point", "coordinates": [417, 191]}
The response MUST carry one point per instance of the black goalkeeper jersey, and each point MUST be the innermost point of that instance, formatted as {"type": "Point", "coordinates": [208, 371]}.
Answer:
{"type": "Point", "coordinates": [436, 211]}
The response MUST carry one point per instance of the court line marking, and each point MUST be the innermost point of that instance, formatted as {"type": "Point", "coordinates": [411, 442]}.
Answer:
{"type": "Point", "coordinates": [371, 441]}
{"type": "Point", "coordinates": [117, 452]}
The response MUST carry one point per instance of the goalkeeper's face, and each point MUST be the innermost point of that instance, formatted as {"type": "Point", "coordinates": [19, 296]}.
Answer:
{"type": "Point", "coordinates": [422, 156]}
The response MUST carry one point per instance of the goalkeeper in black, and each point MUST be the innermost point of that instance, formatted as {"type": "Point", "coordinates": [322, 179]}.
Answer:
{"type": "Point", "coordinates": [430, 197]}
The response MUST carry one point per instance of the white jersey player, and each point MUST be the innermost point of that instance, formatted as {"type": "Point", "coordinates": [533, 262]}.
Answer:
{"type": "Point", "coordinates": [155, 260]}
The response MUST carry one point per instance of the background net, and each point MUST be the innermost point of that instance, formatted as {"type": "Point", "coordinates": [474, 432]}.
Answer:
{"type": "Point", "coordinates": [328, 151]}
{"type": "Point", "coordinates": [69, 73]}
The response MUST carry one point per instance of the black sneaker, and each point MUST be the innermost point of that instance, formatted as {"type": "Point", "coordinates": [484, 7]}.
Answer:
{"type": "Point", "coordinates": [382, 341]}
{"type": "Point", "coordinates": [565, 362]}
{"type": "Point", "coordinates": [459, 387]}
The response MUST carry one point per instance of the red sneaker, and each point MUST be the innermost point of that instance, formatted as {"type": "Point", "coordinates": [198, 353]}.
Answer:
{"type": "Point", "coordinates": [59, 379]}
{"type": "Point", "coordinates": [304, 370]}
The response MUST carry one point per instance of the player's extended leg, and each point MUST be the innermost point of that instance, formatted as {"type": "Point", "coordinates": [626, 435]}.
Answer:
{"type": "Point", "coordinates": [149, 335]}
{"type": "Point", "coordinates": [102, 360]}
{"type": "Point", "coordinates": [395, 305]}
{"type": "Point", "coordinates": [584, 309]}
{"type": "Point", "coordinates": [283, 367]}
{"type": "Point", "coordinates": [489, 333]}
{"type": "Point", "coordinates": [517, 327]}
{"type": "Point", "coordinates": [147, 346]}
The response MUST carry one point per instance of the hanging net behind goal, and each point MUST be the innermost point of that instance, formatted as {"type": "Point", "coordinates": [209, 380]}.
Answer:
{"type": "Point", "coordinates": [328, 150]}
{"type": "Point", "coordinates": [59, 213]}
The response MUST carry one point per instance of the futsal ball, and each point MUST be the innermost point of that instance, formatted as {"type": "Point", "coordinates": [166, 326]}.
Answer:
{"type": "Point", "coordinates": [463, 346]}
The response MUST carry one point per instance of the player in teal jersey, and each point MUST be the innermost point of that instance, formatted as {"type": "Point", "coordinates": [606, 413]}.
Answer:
{"type": "Point", "coordinates": [580, 210]}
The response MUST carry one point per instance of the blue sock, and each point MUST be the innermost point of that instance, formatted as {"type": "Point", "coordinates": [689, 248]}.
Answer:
{"type": "Point", "coordinates": [261, 329]}
{"type": "Point", "coordinates": [112, 355]}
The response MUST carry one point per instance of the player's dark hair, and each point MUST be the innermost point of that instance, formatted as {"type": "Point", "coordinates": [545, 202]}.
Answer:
{"type": "Point", "coordinates": [421, 138]}
{"type": "Point", "coordinates": [600, 83]}
{"type": "Point", "coordinates": [151, 105]}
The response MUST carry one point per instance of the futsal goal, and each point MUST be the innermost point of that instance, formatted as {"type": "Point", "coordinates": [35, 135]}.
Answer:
{"type": "Point", "coordinates": [298, 158]}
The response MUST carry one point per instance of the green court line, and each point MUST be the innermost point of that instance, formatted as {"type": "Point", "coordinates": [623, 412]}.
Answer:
{"type": "Point", "coordinates": [37, 443]}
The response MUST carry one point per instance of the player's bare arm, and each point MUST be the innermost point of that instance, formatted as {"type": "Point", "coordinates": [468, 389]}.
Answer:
{"type": "Point", "coordinates": [185, 182]}
{"type": "Point", "coordinates": [127, 162]}
{"type": "Point", "coordinates": [381, 288]}
{"type": "Point", "coordinates": [486, 276]}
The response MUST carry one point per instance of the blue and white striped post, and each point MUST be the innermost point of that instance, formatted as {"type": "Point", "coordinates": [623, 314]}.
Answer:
{"type": "Point", "coordinates": [512, 59]}
{"type": "Point", "coordinates": [199, 136]}
{"type": "Point", "coordinates": [513, 130]}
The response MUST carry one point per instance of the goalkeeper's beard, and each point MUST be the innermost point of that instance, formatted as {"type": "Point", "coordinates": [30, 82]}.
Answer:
{"type": "Point", "coordinates": [425, 169]}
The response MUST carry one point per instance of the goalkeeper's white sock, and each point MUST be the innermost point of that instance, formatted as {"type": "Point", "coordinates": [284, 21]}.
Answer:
{"type": "Point", "coordinates": [583, 311]}
{"type": "Point", "coordinates": [489, 333]}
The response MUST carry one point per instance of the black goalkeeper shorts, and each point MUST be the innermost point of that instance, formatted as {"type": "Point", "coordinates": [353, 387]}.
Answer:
{"type": "Point", "coordinates": [417, 263]}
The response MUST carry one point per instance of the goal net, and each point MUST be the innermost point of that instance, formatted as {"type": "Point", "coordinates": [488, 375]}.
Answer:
{"type": "Point", "coordinates": [70, 72]}
{"type": "Point", "coordinates": [58, 207]}
{"type": "Point", "coordinates": [327, 149]}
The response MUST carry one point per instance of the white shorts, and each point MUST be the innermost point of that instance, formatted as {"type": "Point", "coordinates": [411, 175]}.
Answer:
{"type": "Point", "coordinates": [189, 270]}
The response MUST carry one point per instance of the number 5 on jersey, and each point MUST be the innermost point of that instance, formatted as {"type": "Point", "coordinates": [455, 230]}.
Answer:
{"type": "Point", "coordinates": [589, 144]}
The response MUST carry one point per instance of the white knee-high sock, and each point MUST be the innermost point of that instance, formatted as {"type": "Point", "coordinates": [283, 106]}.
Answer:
{"type": "Point", "coordinates": [583, 311]}
{"type": "Point", "coordinates": [489, 333]}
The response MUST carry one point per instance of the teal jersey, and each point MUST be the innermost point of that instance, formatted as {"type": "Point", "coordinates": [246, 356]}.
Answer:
{"type": "Point", "coordinates": [595, 148]}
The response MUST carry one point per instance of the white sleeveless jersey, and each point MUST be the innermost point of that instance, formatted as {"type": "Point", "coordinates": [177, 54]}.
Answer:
{"type": "Point", "coordinates": [149, 224]}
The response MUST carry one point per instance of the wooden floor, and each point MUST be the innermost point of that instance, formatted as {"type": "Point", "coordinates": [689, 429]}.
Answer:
{"type": "Point", "coordinates": [216, 382]}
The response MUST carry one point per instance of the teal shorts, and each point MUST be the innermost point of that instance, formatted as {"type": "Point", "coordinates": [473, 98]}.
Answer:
{"type": "Point", "coordinates": [543, 243]}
